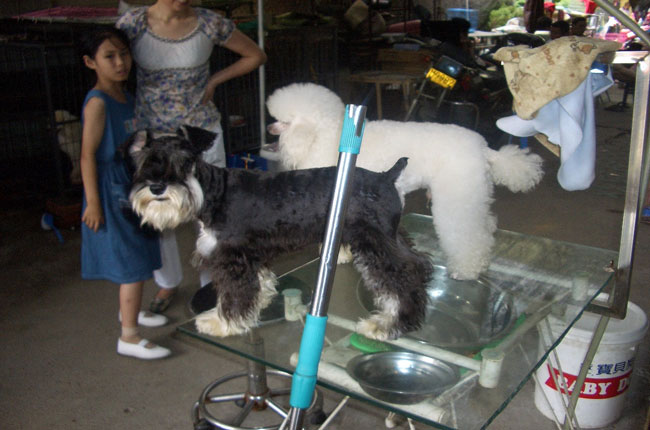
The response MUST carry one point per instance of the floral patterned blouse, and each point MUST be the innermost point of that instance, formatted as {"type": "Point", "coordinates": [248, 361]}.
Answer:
{"type": "Point", "coordinates": [172, 74]}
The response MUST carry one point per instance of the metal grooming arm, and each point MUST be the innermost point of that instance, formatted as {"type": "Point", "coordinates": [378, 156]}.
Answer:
{"type": "Point", "coordinates": [311, 344]}
{"type": "Point", "coordinates": [637, 177]}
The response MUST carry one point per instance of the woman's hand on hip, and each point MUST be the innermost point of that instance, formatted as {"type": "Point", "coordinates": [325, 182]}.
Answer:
{"type": "Point", "coordinates": [208, 96]}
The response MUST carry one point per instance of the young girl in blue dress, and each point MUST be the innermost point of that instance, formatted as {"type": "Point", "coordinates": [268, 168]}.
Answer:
{"type": "Point", "coordinates": [114, 247]}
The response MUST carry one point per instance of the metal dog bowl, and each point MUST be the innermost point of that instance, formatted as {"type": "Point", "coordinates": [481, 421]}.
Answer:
{"type": "Point", "coordinates": [402, 377]}
{"type": "Point", "coordinates": [462, 316]}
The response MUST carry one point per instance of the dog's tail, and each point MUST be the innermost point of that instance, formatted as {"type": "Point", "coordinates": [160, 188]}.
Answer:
{"type": "Point", "coordinates": [394, 172]}
{"type": "Point", "coordinates": [515, 168]}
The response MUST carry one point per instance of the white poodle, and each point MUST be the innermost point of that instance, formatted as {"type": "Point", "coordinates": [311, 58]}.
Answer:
{"type": "Point", "coordinates": [453, 163]}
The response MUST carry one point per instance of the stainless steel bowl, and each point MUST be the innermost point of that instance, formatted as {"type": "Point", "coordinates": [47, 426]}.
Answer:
{"type": "Point", "coordinates": [402, 377]}
{"type": "Point", "coordinates": [461, 316]}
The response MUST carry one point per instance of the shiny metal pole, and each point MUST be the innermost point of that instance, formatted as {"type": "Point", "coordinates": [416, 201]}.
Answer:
{"type": "Point", "coordinates": [637, 177]}
{"type": "Point", "coordinates": [313, 335]}
{"type": "Point", "coordinates": [332, 240]}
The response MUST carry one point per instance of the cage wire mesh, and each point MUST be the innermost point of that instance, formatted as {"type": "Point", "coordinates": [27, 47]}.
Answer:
{"type": "Point", "coordinates": [303, 54]}
{"type": "Point", "coordinates": [43, 87]}
{"type": "Point", "coordinates": [44, 83]}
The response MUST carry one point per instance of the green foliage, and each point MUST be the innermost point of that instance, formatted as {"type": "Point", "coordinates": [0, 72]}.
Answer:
{"type": "Point", "coordinates": [503, 12]}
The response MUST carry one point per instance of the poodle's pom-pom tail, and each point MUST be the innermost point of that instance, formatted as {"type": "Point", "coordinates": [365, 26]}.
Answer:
{"type": "Point", "coordinates": [517, 169]}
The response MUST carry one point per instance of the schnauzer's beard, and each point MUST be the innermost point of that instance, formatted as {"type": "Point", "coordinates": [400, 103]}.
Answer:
{"type": "Point", "coordinates": [176, 205]}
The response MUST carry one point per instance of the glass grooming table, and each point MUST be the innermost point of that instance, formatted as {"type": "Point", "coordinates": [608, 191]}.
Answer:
{"type": "Point", "coordinates": [540, 276]}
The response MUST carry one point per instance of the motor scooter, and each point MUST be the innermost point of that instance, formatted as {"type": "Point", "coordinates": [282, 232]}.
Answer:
{"type": "Point", "coordinates": [451, 92]}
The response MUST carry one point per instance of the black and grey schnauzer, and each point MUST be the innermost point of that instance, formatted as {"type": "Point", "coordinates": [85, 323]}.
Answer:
{"type": "Point", "coordinates": [247, 218]}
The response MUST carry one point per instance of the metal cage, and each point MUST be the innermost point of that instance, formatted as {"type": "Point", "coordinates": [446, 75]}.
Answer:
{"type": "Point", "coordinates": [303, 54]}
{"type": "Point", "coordinates": [43, 83]}
{"type": "Point", "coordinates": [43, 87]}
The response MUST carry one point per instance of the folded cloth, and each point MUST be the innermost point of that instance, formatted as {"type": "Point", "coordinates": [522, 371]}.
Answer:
{"type": "Point", "coordinates": [569, 122]}
{"type": "Point", "coordinates": [538, 75]}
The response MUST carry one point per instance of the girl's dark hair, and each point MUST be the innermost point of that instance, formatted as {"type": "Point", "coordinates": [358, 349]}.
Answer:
{"type": "Point", "coordinates": [88, 44]}
{"type": "Point", "coordinates": [90, 41]}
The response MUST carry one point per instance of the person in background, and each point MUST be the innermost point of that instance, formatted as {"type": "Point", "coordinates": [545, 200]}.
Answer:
{"type": "Point", "coordinates": [543, 27]}
{"type": "Point", "coordinates": [459, 46]}
{"type": "Point", "coordinates": [113, 245]}
{"type": "Point", "coordinates": [172, 43]}
{"type": "Point", "coordinates": [559, 29]}
{"type": "Point", "coordinates": [544, 23]}
{"type": "Point", "coordinates": [533, 9]}
{"type": "Point", "coordinates": [549, 9]}
{"type": "Point", "coordinates": [578, 26]}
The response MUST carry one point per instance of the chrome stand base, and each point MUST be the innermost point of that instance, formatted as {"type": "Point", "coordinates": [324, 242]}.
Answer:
{"type": "Point", "coordinates": [258, 397]}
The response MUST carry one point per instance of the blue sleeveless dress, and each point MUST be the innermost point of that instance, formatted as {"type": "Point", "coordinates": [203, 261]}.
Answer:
{"type": "Point", "coordinates": [120, 251]}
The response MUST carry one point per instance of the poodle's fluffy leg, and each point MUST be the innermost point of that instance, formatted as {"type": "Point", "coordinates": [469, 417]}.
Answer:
{"type": "Point", "coordinates": [464, 222]}
{"type": "Point", "coordinates": [397, 276]}
{"type": "Point", "coordinates": [243, 290]}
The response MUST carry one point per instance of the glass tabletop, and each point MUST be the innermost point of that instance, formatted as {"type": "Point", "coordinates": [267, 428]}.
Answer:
{"type": "Point", "coordinates": [486, 330]}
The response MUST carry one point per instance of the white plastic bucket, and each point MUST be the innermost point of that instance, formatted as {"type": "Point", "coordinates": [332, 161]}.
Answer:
{"type": "Point", "coordinates": [603, 394]}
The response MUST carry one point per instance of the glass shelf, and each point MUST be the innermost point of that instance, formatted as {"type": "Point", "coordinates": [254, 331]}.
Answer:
{"type": "Point", "coordinates": [540, 276]}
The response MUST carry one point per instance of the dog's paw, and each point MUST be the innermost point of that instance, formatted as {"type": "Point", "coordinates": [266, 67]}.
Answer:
{"type": "Point", "coordinates": [345, 255]}
{"type": "Point", "coordinates": [466, 271]}
{"type": "Point", "coordinates": [464, 275]}
{"type": "Point", "coordinates": [212, 322]}
{"type": "Point", "coordinates": [268, 282]}
{"type": "Point", "coordinates": [469, 265]}
{"type": "Point", "coordinates": [378, 327]}
{"type": "Point", "coordinates": [459, 276]}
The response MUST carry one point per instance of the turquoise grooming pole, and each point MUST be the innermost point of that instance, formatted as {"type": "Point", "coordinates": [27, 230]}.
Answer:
{"type": "Point", "coordinates": [313, 335]}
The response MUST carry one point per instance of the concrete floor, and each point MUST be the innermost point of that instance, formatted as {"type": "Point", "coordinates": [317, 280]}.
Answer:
{"type": "Point", "coordinates": [59, 369]}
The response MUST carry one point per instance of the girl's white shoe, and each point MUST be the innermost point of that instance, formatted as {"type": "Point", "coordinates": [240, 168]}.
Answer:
{"type": "Point", "coordinates": [140, 350]}
{"type": "Point", "coordinates": [149, 319]}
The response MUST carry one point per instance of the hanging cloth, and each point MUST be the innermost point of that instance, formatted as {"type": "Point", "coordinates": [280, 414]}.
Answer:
{"type": "Point", "coordinates": [569, 122]}
{"type": "Point", "coordinates": [553, 93]}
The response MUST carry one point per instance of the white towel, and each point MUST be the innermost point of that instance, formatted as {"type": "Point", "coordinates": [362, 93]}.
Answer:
{"type": "Point", "coordinates": [568, 121]}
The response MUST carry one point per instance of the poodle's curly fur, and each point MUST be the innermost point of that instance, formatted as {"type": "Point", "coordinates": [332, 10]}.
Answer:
{"type": "Point", "coordinates": [453, 163]}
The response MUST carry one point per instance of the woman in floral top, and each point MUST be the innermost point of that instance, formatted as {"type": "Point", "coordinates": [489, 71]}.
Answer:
{"type": "Point", "coordinates": [171, 44]}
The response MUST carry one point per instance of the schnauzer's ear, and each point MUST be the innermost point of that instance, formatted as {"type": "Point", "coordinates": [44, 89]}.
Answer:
{"type": "Point", "coordinates": [200, 138]}
{"type": "Point", "coordinates": [134, 144]}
